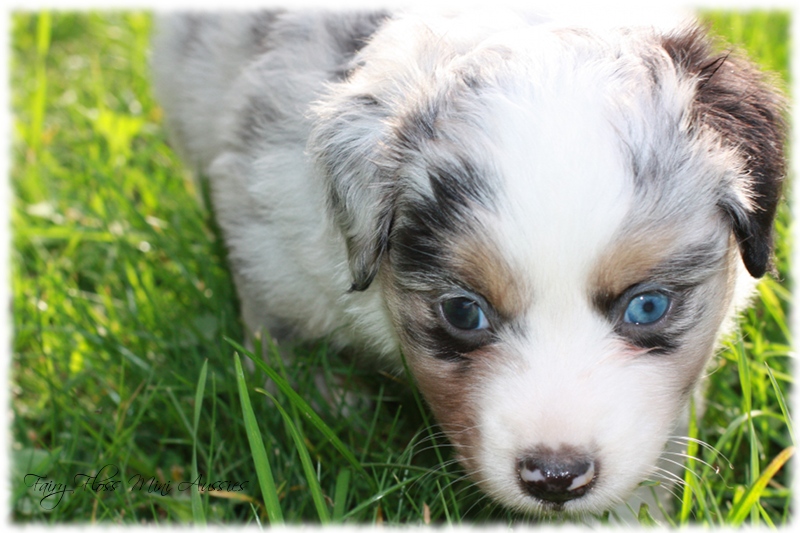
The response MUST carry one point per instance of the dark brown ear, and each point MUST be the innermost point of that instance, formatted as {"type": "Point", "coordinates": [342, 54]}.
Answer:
{"type": "Point", "coordinates": [735, 99]}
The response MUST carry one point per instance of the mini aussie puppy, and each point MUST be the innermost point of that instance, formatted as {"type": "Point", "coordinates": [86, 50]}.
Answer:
{"type": "Point", "coordinates": [551, 224]}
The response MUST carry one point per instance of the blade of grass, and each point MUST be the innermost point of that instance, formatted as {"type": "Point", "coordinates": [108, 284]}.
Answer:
{"type": "Point", "coordinates": [745, 379]}
{"type": "Point", "coordinates": [178, 409]}
{"type": "Point", "coordinates": [197, 504]}
{"type": "Point", "coordinates": [748, 501]}
{"type": "Point", "coordinates": [263, 469]}
{"type": "Point", "coordinates": [379, 496]}
{"type": "Point", "coordinates": [765, 517]}
{"type": "Point", "coordinates": [660, 505]}
{"type": "Point", "coordinates": [340, 495]}
{"type": "Point", "coordinates": [305, 460]}
{"type": "Point", "coordinates": [644, 517]}
{"type": "Point", "coordinates": [39, 100]}
{"type": "Point", "coordinates": [691, 451]}
{"type": "Point", "coordinates": [767, 290]}
{"type": "Point", "coordinates": [306, 410]}
{"type": "Point", "coordinates": [781, 403]}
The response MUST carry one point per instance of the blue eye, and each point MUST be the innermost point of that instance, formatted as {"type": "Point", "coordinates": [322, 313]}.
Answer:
{"type": "Point", "coordinates": [646, 308]}
{"type": "Point", "coordinates": [464, 313]}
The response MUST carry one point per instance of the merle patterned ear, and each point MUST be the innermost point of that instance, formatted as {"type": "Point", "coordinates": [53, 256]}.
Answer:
{"type": "Point", "coordinates": [736, 100]}
{"type": "Point", "coordinates": [347, 144]}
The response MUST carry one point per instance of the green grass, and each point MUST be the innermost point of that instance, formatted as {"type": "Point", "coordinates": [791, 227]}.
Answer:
{"type": "Point", "coordinates": [126, 329]}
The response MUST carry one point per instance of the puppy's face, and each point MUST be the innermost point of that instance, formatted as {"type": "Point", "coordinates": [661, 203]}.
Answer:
{"type": "Point", "coordinates": [556, 308]}
{"type": "Point", "coordinates": [561, 221]}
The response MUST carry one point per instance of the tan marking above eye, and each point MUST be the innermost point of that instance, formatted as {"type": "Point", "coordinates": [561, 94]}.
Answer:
{"type": "Point", "coordinates": [659, 259]}
{"type": "Point", "coordinates": [627, 262]}
{"type": "Point", "coordinates": [481, 265]}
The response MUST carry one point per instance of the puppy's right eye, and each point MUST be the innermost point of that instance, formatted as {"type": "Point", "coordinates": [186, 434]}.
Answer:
{"type": "Point", "coordinates": [464, 314]}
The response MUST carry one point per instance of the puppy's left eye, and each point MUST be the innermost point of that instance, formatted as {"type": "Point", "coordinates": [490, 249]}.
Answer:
{"type": "Point", "coordinates": [464, 314]}
{"type": "Point", "coordinates": [646, 308]}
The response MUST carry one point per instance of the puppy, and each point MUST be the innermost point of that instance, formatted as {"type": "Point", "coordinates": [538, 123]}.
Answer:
{"type": "Point", "coordinates": [551, 224]}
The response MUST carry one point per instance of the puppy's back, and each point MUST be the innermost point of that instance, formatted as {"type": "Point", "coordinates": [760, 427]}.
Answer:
{"type": "Point", "coordinates": [196, 58]}
{"type": "Point", "coordinates": [220, 75]}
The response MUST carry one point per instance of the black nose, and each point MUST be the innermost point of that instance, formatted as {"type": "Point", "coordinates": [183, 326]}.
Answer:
{"type": "Point", "coordinates": [557, 476]}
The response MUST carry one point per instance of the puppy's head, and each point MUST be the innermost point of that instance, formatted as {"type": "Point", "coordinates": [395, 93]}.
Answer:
{"type": "Point", "coordinates": [557, 221]}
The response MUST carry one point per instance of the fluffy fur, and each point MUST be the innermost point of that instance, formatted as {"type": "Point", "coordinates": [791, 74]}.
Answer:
{"type": "Point", "coordinates": [371, 171]}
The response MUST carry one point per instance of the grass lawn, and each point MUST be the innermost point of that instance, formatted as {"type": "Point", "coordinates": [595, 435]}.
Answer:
{"type": "Point", "coordinates": [125, 387]}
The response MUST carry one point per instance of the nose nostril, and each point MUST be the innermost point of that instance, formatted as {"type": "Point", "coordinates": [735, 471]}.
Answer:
{"type": "Point", "coordinates": [556, 478]}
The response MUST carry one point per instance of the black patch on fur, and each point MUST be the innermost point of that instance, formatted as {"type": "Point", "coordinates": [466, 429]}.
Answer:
{"type": "Point", "coordinates": [447, 347]}
{"type": "Point", "coordinates": [419, 246]}
{"type": "Point", "coordinates": [431, 337]}
{"type": "Point", "coordinates": [427, 225]}
{"type": "Point", "coordinates": [367, 100]}
{"type": "Point", "coordinates": [424, 230]}
{"type": "Point", "coordinates": [658, 344]}
{"type": "Point", "coordinates": [365, 257]}
{"type": "Point", "coordinates": [420, 228]}
{"type": "Point", "coordinates": [458, 186]}
{"type": "Point", "coordinates": [417, 127]}
{"type": "Point", "coordinates": [366, 168]}
{"type": "Point", "coordinates": [733, 98]}
{"type": "Point", "coordinates": [417, 252]}
{"type": "Point", "coordinates": [653, 71]}
{"type": "Point", "coordinates": [195, 23]}
{"type": "Point", "coordinates": [261, 29]}
{"type": "Point", "coordinates": [257, 115]}
{"type": "Point", "coordinates": [350, 34]}
{"type": "Point", "coordinates": [347, 32]}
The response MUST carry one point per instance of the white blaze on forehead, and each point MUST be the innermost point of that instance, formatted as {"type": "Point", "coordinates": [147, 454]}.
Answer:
{"type": "Point", "coordinates": [566, 188]}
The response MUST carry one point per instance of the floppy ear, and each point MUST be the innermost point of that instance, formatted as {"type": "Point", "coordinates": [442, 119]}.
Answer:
{"type": "Point", "coordinates": [347, 142]}
{"type": "Point", "coordinates": [733, 98]}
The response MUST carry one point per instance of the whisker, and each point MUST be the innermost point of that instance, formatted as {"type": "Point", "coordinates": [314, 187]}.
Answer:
{"type": "Point", "coordinates": [674, 493]}
{"type": "Point", "coordinates": [707, 446]}
{"type": "Point", "coordinates": [668, 475]}
{"type": "Point", "coordinates": [684, 467]}
{"type": "Point", "coordinates": [716, 469]}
